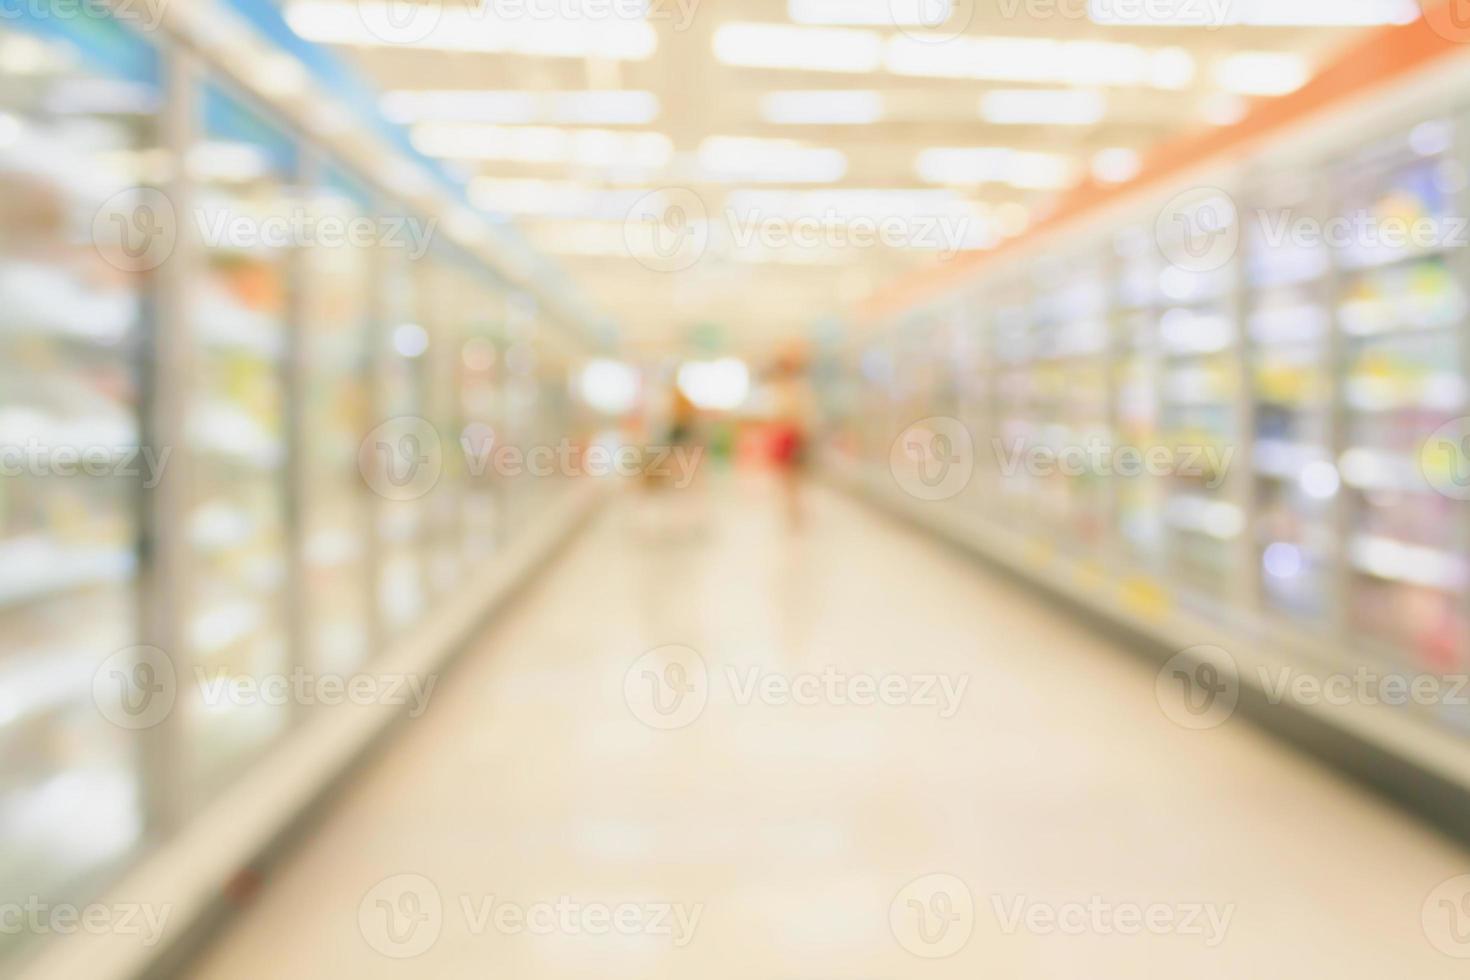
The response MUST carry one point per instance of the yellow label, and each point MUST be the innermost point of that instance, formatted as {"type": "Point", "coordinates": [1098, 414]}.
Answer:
{"type": "Point", "coordinates": [1144, 596]}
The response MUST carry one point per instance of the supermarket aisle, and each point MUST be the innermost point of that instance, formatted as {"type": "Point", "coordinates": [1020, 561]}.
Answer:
{"type": "Point", "coordinates": [768, 839]}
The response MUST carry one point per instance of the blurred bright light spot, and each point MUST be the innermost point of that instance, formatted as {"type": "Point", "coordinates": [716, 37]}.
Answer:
{"type": "Point", "coordinates": [759, 45]}
{"type": "Point", "coordinates": [1282, 560]}
{"type": "Point", "coordinates": [1115, 165]}
{"type": "Point", "coordinates": [851, 108]}
{"type": "Point", "coordinates": [882, 13]}
{"type": "Point", "coordinates": [1262, 72]}
{"type": "Point", "coordinates": [995, 164]}
{"type": "Point", "coordinates": [541, 144]}
{"type": "Point", "coordinates": [1040, 60]}
{"type": "Point", "coordinates": [720, 385]}
{"type": "Point", "coordinates": [410, 339]}
{"type": "Point", "coordinates": [744, 158]}
{"type": "Point", "coordinates": [1253, 13]}
{"type": "Point", "coordinates": [546, 31]}
{"type": "Point", "coordinates": [623, 107]}
{"type": "Point", "coordinates": [609, 386]}
{"type": "Point", "coordinates": [1053, 107]}
{"type": "Point", "coordinates": [1319, 480]}
{"type": "Point", "coordinates": [553, 198]}
{"type": "Point", "coordinates": [1431, 138]}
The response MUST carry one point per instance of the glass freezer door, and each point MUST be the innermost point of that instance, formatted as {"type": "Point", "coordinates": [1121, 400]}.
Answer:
{"type": "Point", "coordinates": [76, 102]}
{"type": "Point", "coordinates": [241, 169]}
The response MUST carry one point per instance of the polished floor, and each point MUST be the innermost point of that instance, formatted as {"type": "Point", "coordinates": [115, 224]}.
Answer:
{"type": "Point", "coordinates": [664, 763]}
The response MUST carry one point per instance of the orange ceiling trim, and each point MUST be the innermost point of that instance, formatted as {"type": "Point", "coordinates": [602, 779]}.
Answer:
{"type": "Point", "coordinates": [1377, 59]}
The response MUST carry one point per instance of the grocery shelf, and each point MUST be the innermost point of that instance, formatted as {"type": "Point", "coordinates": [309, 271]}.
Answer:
{"type": "Point", "coordinates": [249, 377]}
{"type": "Point", "coordinates": [1321, 367]}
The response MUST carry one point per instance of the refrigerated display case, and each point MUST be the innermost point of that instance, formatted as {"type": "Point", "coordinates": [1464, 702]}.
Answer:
{"type": "Point", "coordinates": [1401, 317]}
{"type": "Point", "coordinates": [1137, 383]}
{"type": "Point", "coordinates": [77, 141]}
{"type": "Point", "coordinates": [186, 474]}
{"type": "Point", "coordinates": [1288, 327]}
{"type": "Point", "coordinates": [242, 172]}
{"type": "Point", "coordinates": [1069, 383]}
{"type": "Point", "coordinates": [480, 388]}
{"type": "Point", "coordinates": [334, 378]}
{"type": "Point", "coordinates": [402, 345]}
{"type": "Point", "coordinates": [1295, 376]}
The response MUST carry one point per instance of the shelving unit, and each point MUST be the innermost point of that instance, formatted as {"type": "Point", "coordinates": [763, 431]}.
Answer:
{"type": "Point", "coordinates": [252, 373]}
{"type": "Point", "coordinates": [74, 132]}
{"type": "Point", "coordinates": [1317, 367]}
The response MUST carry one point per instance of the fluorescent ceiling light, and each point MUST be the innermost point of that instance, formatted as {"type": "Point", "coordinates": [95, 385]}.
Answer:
{"type": "Point", "coordinates": [1115, 165]}
{"type": "Point", "coordinates": [741, 158]}
{"type": "Point", "coordinates": [1253, 13]}
{"type": "Point", "coordinates": [965, 166]}
{"type": "Point", "coordinates": [1057, 107]}
{"type": "Point", "coordinates": [1262, 73]}
{"type": "Point", "coordinates": [1041, 60]}
{"type": "Point", "coordinates": [752, 45]}
{"type": "Point", "coordinates": [889, 13]}
{"type": "Point", "coordinates": [609, 386]}
{"type": "Point", "coordinates": [721, 385]}
{"type": "Point", "coordinates": [607, 108]}
{"type": "Point", "coordinates": [476, 28]}
{"type": "Point", "coordinates": [552, 198]}
{"type": "Point", "coordinates": [851, 202]}
{"type": "Point", "coordinates": [542, 144]}
{"type": "Point", "coordinates": [853, 108]}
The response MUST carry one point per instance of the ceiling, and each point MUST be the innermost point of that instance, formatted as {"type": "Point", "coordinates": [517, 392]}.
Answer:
{"type": "Point", "coordinates": [674, 216]}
